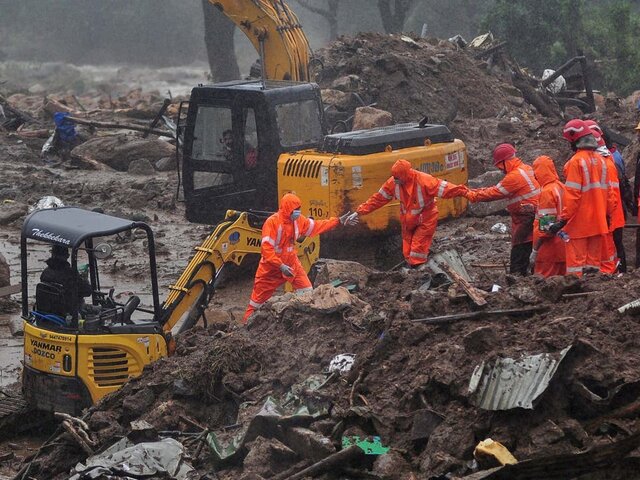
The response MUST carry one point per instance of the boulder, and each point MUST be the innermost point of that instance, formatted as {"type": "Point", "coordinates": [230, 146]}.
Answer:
{"type": "Point", "coordinates": [348, 83]}
{"type": "Point", "coordinates": [118, 151]}
{"type": "Point", "coordinates": [267, 457]}
{"type": "Point", "coordinates": [5, 272]}
{"type": "Point", "coordinates": [349, 272]}
{"type": "Point", "coordinates": [369, 117]}
{"type": "Point", "coordinates": [141, 166]}
{"type": "Point", "coordinates": [166, 164]}
{"type": "Point", "coordinates": [11, 211]}
{"type": "Point", "coordinates": [340, 100]}
{"type": "Point", "coordinates": [391, 466]}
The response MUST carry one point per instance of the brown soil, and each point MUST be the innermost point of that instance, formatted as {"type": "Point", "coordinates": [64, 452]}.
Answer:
{"type": "Point", "coordinates": [402, 367]}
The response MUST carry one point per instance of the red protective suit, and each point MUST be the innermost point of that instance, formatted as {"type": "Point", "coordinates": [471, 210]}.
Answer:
{"type": "Point", "coordinates": [609, 256]}
{"type": "Point", "coordinates": [418, 209]}
{"type": "Point", "coordinates": [551, 249]}
{"type": "Point", "coordinates": [521, 189]}
{"type": "Point", "coordinates": [589, 200]}
{"type": "Point", "coordinates": [279, 235]}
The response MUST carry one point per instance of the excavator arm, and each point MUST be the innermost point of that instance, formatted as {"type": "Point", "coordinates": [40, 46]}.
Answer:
{"type": "Point", "coordinates": [237, 236]}
{"type": "Point", "coordinates": [275, 32]}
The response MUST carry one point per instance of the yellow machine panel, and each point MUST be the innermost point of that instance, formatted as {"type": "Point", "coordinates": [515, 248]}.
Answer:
{"type": "Point", "coordinates": [330, 185]}
{"type": "Point", "coordinates": [106, 362]}
{"type": "Point", "coordinates": [45, 351]}
{"type": "Point", "coordinates": [103, 362]}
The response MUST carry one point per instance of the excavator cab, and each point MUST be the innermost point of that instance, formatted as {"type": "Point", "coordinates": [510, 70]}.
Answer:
{"type": "Point", "coordinates": [77, 350]}
{"type": "Point", "coordinates": [232, 137]}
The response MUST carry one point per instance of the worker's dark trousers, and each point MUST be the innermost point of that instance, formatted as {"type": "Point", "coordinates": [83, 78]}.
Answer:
{"type": "Point", "coordinates": [622, 256]}
{"type": "Point", "coordinates": [520, 258]}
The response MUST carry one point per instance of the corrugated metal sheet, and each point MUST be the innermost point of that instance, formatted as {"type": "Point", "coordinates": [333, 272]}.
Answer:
{"type": "Point", "coordinates": [513, 383]}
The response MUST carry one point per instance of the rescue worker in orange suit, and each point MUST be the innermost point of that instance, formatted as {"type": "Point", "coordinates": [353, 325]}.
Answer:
{"type": "Point", "coordinates": [521, 189]}
{"type": "Point", "coordinates": [609, 258]}
{"type": "Point", "coordinates": [418, 209]}
{"type": "Point", "coordinates": [589, 202]}
{"type": "Point", "coordinates": [548, 255]}
{"type": "Point", "coordinates": [279, 263]}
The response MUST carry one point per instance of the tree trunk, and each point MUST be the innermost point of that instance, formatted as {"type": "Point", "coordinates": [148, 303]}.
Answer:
{"type": "Point", "coordinates": [393, 22]}
{"type": "Point", "coordinates": [218, 38]}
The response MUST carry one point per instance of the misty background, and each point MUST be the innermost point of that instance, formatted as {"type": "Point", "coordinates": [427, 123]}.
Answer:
{"type": "Point", "coordinates": [164, 33]}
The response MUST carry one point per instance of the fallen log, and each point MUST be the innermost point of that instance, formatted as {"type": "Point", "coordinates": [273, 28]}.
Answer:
{"type": "Point", "coordinates": [336, 460]}
{"type": "Point", "coordinates": [579, 294]}
{"type": "Point", "coordinates": [443, 319]}
{"type": "Point", "coordinates": [475, 294]}
{"type": "Point", "coordinates": [127, 126]}
{"type": "Point", "coordinates": [23, 116]}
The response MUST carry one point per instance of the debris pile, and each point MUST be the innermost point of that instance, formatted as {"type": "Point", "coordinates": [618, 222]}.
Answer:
{"type": "Point", "coordinates": [419, 396]}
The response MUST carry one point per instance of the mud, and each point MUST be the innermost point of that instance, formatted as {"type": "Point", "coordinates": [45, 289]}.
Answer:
{"type": "Point", "coordinates": [402, 369]}
{"type": "Point", "coordinates": [409, 383]}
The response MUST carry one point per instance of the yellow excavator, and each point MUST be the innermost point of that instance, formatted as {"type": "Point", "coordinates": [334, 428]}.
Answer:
{"type": "Point", "coordinates": [75, 352]}
{"type": "Point", "coordinates": [243, 144]}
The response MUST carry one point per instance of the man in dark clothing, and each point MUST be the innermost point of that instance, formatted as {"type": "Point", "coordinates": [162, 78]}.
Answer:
{"type": "Point", "coordinates": [59, 271]}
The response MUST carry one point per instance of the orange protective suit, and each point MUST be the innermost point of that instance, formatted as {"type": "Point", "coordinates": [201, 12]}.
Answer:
{"type": "Point", "coordinates": [279, 235]}
{"type": "Point", "coordinates": [418, 209]}
{"type": "Point", "coordinates": [521, 189]}
{"type": "Point", "coordinates": [609, 256]}
{"type": "Point", "coordinates": [589, 201]}
{"type": "Point", "coordinates": [551, 249]}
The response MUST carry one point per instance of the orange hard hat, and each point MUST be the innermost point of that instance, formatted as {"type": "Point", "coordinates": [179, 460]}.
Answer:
{"type": "Point", "coordinates": [596, 131]}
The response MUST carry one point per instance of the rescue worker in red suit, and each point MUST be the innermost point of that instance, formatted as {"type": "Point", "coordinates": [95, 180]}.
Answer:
{"type": "Point", "coordinates": [589, 201]}
{"type": "Point", "coordinates": [521, 189]}
{"type": "Point", "coordinates": [279, 263]}
{"type": "Point", "coordinates": [548, 255]}
{"type": "Point", "coordinates": [418, 210]}
{"type": "Point", "coordinates": [609, 258]}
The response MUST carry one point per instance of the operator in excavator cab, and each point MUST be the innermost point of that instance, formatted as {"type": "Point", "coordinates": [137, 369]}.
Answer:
{"type": "Point", "coordinates": [250, 153]}
{"type": "Point", "coordinates": [60, 272]}
{"type": "Point", "coordinates": [279, 263]}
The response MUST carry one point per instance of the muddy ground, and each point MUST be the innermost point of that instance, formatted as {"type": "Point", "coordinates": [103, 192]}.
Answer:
{"type": "Point", "coordinates": [405, 371]}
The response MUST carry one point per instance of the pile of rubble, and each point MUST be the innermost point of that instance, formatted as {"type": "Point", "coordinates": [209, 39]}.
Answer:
{"type": "Point", "coordinates": [402, 364]}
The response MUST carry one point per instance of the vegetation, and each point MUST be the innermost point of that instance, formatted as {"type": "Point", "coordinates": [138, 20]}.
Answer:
{"type": "Point", "coordinates": [540, 34]}
{"type": "Point", "coordinates": [546, 33]}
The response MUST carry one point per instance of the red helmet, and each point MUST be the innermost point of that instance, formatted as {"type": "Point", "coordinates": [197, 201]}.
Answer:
{"type": "Point", "coordinates": [575, 129]}
{"type": "Point", "coordinates": [503, 152]}
{"type": "Point", "coordinates": [596, 131]}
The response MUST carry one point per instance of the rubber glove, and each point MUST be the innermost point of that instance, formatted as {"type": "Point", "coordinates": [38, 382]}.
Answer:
{"type": "Point", "coordinates": [286, 270]}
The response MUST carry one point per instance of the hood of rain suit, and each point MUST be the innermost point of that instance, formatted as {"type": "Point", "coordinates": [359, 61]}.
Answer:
{"type": "Point", "coordinates": [402, 169]}
{"type": "Point", "coordinates": [289, 202]}
{"type": "Point", "coordinates": [545, 170]}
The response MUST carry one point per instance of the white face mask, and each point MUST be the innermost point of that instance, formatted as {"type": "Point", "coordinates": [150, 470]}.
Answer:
{"type": "Point", "coordinates": [295, 214]}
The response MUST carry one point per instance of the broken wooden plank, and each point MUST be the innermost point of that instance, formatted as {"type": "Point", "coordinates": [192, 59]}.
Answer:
{"type": "Point", "coordinates": [475, 294]}
{"type": "Point", "coordinates": [579, 294]}
{"type": "Point", "coordinates": [10, 289]}
{"type": "Point", "coordinates": [479, 314]}
{"type": "Point", "coordinates": [127, 126]}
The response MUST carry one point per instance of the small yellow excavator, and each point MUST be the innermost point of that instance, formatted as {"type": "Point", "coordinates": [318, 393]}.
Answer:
{"type": "Point", "coordinates": [75, 352]}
